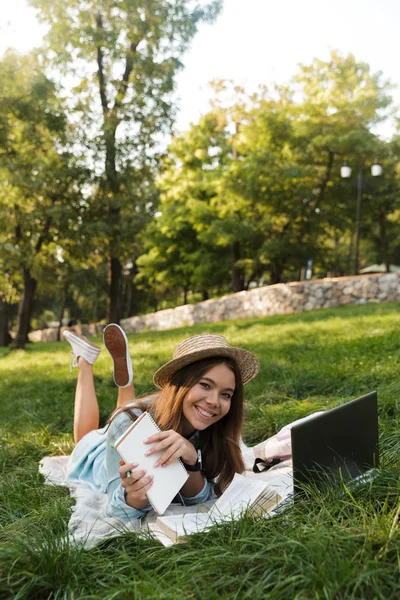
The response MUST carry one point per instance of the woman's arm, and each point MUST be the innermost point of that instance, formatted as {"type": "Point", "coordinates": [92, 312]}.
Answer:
{"type": "Point", "coordinates": [204, 494]}
{"type": "Point", "coordinates": [117, 505]}
{"type": "Point", "coordinates": [123, 493]}
{"type": "Point", "coordinates": [194, 484]}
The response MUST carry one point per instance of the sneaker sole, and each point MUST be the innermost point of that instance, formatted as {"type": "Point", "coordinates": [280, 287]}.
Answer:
{"type": "Point", "coordinates": [119, 352]}
{"type": "Point", "coordinates": [86, 345]}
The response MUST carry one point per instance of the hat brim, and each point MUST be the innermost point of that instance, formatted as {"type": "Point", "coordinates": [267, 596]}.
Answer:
{"type": "Point", "coordinates": [248, 363]}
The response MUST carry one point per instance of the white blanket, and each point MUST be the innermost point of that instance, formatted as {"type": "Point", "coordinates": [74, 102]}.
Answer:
{"type": "Point", "coordinates": [89, 524]}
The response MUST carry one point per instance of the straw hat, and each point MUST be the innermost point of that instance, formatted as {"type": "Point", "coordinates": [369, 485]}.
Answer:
{"type": "Point", "coordinates": [205, 346]}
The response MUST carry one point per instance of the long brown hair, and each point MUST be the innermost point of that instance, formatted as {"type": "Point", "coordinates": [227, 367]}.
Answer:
{"type": "Point", "coordinates": [220, 442]}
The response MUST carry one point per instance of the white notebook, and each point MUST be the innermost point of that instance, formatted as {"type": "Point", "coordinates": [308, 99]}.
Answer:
{"type": "Point", "coordinates": [167, 480]}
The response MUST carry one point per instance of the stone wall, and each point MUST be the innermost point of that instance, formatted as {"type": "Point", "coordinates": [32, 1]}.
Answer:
{"type": "Point", "coordinates": [278, 299]}
{"type": "Point", "coordinates": [50, 334]}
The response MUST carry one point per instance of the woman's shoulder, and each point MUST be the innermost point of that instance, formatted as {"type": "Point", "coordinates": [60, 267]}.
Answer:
{"type": "Point", "coordinates": [125, 416]}
{"type": "Point", "coordinates": [121, 420]}
{"type": "Point", "coordinates": [131, 410]}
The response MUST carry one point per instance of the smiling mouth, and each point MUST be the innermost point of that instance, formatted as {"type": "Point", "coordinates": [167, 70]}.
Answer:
{"type": "Point", "coordinates": [204, 413]}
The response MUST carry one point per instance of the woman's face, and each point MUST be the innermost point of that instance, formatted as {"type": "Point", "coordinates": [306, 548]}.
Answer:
{"type": "Point", "coordinates": [209, 400]}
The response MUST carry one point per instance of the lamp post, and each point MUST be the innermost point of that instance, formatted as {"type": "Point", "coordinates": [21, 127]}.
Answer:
{"type": "Point", "coordinates": [345, 172]}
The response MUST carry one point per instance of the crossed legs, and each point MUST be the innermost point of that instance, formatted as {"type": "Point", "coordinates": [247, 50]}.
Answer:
{"type": "Point", "coordinates": [86, 409]}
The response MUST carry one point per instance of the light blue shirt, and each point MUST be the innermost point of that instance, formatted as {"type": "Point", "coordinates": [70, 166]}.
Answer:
{"type": "Point", "coordinates": [94, 463]}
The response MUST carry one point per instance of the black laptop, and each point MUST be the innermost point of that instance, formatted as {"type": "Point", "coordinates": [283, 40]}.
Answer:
{"type": "Point", "coordinates": [341, 443]}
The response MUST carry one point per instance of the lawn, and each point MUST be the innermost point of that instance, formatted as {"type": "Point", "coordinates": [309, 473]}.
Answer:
{"type": "Point", "coordinates": [338, 545]}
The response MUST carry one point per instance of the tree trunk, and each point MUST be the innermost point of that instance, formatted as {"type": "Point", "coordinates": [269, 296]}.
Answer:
{"type": "Point", "coordinates": [62, 310]}
{"type": "Point", "coordinates": [306, 228]}
{"type": "Point", "coordinates": [131, 291]}
{"type": "Point", "coordinates": [114, 290]}
{"type": "Point", "coordinates": [237, 279]}
{"type": "Point", "coordinates": [276, 272]}
{"type": "Point", "coordinates": [204, 295]}
{"type": "Point", "coordinates": [111, 121]}
{"type": "Point", "coordinates": [5, 337]}
{"type": "Point", "coordinates": [96, 301]}
{"type": "Point", "coordinates": [130, 299]}
{"type": "Point", "coordinates": [384, 243]}
{"type": "Point", "coordinates": [336, 254]}
{"type": "Point", "coordinates": [25, 309]}
{"type": "Point", "coordinates": [123, 295]}
{"type": "Point", "coordinates": [350, 254]}
{"type": "Point", "coordinates": [252, 277]}
{"type": "Point", "coordinates": [114, 264]}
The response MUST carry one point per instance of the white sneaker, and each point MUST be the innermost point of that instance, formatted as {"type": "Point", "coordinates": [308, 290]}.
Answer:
{"type": "Point", "coordinates": [81, 347]}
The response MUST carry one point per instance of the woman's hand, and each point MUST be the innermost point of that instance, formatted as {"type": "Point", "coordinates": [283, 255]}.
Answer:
{"type": "Point", "coordinates": [135, 484]}
{"type": "Point", "coordinates": [173, 446]}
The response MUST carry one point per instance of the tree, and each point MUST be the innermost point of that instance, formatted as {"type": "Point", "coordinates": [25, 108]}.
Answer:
{"type": "Point", "coordinates": [292, 147]}
{"type": "Point", "coordinates": [8, 289]}
{"type": "Point", "coordinates": [380, 217]}
{"type": "Point", "coordinates": [126, 54]}
{"type": "Point", "coordinates": [39, 189]}
{"type": "Point", "coordinates": [181, 253]}
{"type": "Point", "coordinates": [206, 236]}
{"type": "Point", "coordinates": [259, 177]}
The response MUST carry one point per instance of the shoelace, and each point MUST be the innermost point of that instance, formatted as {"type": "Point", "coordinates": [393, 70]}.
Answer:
{"type": "Point", "coordinates": [73, 361]}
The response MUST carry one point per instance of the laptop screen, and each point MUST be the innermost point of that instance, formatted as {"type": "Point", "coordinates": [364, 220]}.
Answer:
{"type": "Point", "coordinates": [340, 443]}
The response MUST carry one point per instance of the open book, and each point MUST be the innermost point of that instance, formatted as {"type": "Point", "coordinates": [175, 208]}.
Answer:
{"type": "Point", "coordinates": [167, 480]}
{"type": "Point", "coordinates": [257, 496]}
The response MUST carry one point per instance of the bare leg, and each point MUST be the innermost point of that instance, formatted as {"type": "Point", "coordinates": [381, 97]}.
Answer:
{"type": "Point", "coordinates": [86, 412]}
{"type": "Point", "coordinates": [125, 395]}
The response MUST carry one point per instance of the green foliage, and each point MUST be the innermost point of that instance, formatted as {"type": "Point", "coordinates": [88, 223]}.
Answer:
{"type": "Point", "coordinates": [44, 319]}
{"type": "Point", "coordinates": [97, 215]}
{"type": "Point", "coordinates": [257, 180]}
{"type": "Point", "coordinates": [33, 126]}
{"type": "Point", "coordinates": [124, 57]}
{"type": "Point", "coordinates": [40, 189]}
{"type": "Point", "coordinates": [183, 254]}
{"type": "Point", "coordinates": [339, 544]}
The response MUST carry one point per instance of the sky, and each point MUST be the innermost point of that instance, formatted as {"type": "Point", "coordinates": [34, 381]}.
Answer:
{"type": "Point", "coordinates": [257, 42]}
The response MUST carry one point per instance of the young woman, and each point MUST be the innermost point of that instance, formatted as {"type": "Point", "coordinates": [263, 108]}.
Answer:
{"type": "Point", "coordinates": [199, 408]}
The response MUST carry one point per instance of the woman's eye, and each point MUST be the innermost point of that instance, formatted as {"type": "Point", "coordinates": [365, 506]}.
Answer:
{"type": "Point", "coordinates": [227, 396]}
{"type": "Point", "coordinates": [205, 385]}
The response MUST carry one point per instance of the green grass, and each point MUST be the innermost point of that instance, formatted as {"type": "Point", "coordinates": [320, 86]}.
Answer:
{"type": "Point", "coordinates": [340, 544]}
